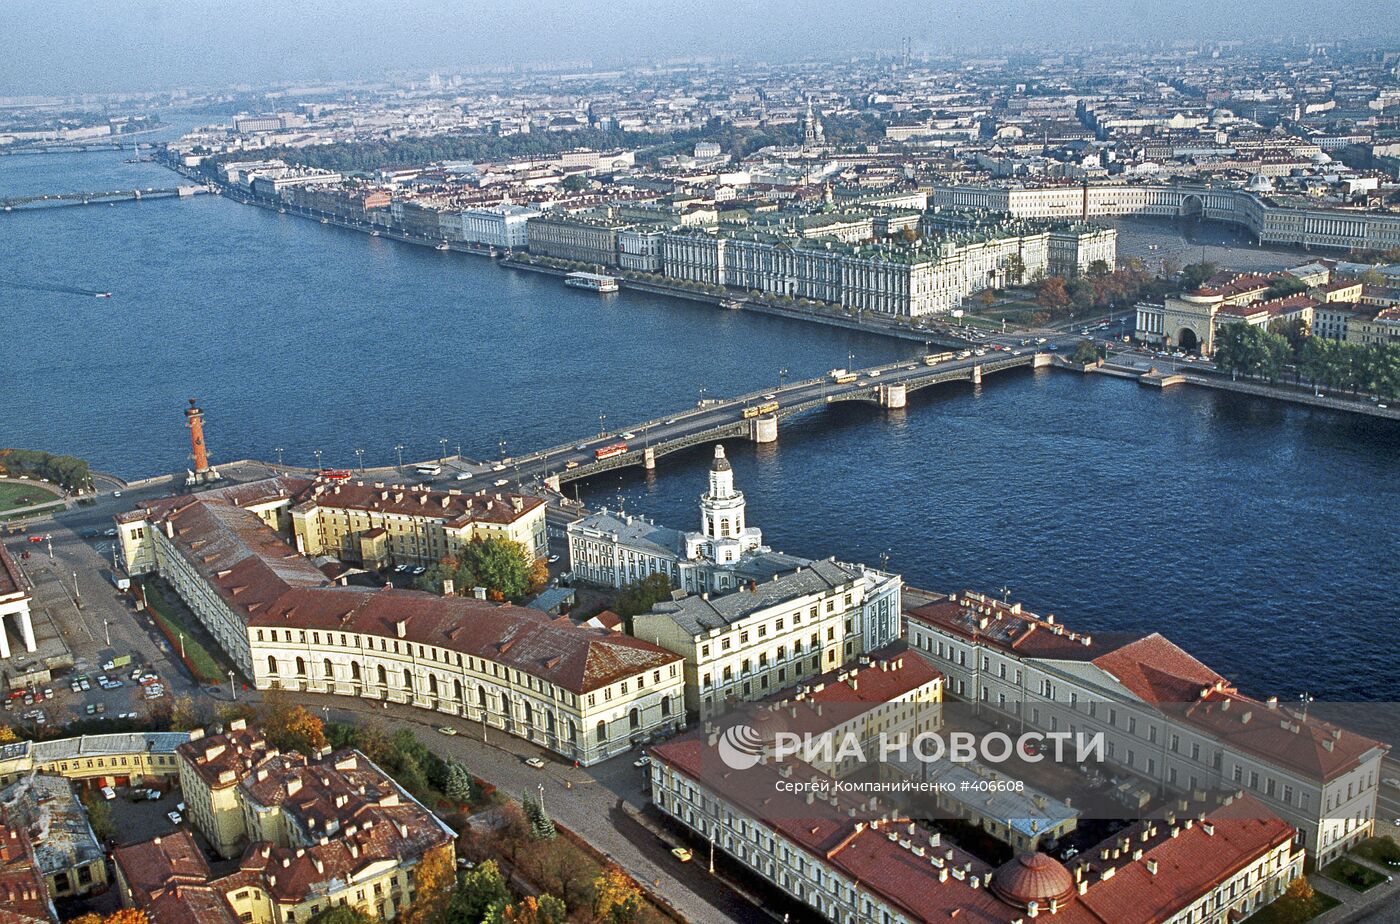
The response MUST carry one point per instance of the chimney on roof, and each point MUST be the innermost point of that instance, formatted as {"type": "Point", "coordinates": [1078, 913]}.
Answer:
{"type": "Point", "coordinates": [479, 592]}
{"type": "Point", "coordinates": [401, 627]}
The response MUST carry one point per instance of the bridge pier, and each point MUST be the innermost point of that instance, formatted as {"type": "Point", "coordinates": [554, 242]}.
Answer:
{"type": "Point", "coordinates": [764, 429]}
{"type": "Point", "coordinates": [552, 482]}
{"type": "Point", "coordinates": [649, 459]}
{"type": "Point", "coordinates": [977, 374]}
{"type": "Point", "coordinates": [893, 396]}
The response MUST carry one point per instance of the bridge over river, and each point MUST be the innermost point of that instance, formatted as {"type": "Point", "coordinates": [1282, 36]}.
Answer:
{"type": "Point", "coordinates": [52, 200]}
{"type": "Point", "coordinates": [741, 418]}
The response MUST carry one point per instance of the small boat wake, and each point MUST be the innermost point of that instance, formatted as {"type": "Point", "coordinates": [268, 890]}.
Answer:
{"type": "Point", "coordinates": [51, 287]}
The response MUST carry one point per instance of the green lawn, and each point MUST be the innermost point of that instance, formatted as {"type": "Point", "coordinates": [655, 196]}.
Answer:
{"type": "Point", "coordinates": [171, 619]}
{"type": "Point", "coordinates": [14, 495]}
{"type": "Point", "coordinates": [1381, 851]}
{"type": "Point", "coordinates": [1287, 910]}
{"type": "Point", "coordinates": [1353, 874]}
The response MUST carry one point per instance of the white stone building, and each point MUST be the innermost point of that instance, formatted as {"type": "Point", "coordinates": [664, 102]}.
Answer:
{"type": "Point", "coordinates": [496, 225]}
{"type": "Point", "coordinates": [1166, 717]}
{"type": "Point", "coordinates": [749, 644]}
{"type": "Point", "coordinates": [724, 555]}
{"type": "Point", "coordinates": [583, 693]}
{"type": "Point", "coordinates": [15, 593]}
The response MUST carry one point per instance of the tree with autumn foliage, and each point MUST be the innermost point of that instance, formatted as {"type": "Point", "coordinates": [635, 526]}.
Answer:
{"type": "Point", "coordinates": [127, 916]}
{"type": "Point", "coordinates": [434, 878]}
{"type": "Point", "coordinates": [504, 567]}
{"type": "Point", "coordinates": [7, 735]}
{"type": "Point", "coordinates": [531, 910]}
{"type": "Point", "coordinates": [290, 727]}
{"type": "Point", "coordinates": [1052, 294]}
{"type": "Point", "coordinates": [616, 898]}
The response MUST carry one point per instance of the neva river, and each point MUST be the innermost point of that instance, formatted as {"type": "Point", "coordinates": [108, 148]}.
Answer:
{"type": "Point", "coordinates": [1260, 536]}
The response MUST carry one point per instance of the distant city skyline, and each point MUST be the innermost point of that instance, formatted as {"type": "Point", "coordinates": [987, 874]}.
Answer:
{"type": "Point", "coordinates": [136, 45]}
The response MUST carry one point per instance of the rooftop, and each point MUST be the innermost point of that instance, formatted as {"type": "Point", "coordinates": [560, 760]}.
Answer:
{"type": "Point", "coordinates": [698, 614]}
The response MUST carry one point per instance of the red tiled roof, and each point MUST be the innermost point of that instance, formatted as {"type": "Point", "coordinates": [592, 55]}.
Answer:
{"type": "Point", "coordinates": [152, 867]}
{"type": "Point", "coordinates": [898, 861]}
{"type": "Point", "coordinates": [1159, 673]}
{"type": "Point", "coordinates": [453, 507]}
{"type": "Point", "coordinates": [272, 586]}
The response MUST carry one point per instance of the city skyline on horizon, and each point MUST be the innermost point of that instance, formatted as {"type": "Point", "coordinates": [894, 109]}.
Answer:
{"type": "Point", "coordinates": [140, 46]}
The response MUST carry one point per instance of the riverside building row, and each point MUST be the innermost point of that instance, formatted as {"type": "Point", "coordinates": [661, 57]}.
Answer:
{"type": "Point", "coordinates": [1166, 718]}
{"type": "Point", "coordinates": [1269, 219]}
{"type": "Point", "coordinates": [842, 263]}
{"type": "Point", "coordinates": [232, 555]}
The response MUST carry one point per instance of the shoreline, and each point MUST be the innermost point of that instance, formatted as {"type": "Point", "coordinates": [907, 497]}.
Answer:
{"type": "Point", "coordinates": [505, 260]}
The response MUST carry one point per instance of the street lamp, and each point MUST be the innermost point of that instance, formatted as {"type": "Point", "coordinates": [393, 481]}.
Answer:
{"type": "Point", "coordinates": [279, 451]}
{"type": "Point", "coordinates": [233, 690]}
{"type": "Point", "coordinates": [502, 444]}
{"type": "Point", "coordinates": [782, 375]}
{"type": "Point", "coordinates": [317, 454]}
{"type": "Point", "coordinates": [360, 454]}
{"type": "Point", "coordinates": [541, 791]}
{"type": "Point", "coordinates": [602, 418]}
{"type": "Point", "coordinates": [398, 447]}
{"type": "Point", "coordinates": [443, 443]}
{"type": "Point", "coordinates": [107, 631]}
{"type": "Point", "coordinates": [702, 395]}
{"type": "Point", "coordinates": [850, 360]}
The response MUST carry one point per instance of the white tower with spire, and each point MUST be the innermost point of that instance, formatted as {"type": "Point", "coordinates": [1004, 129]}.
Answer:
{"type": "Point", "coordinates": [724, 536]}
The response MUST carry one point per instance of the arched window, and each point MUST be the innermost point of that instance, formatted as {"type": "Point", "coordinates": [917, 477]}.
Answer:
{"type": "Point", "coordinates": [634, 719]}
{"type": "Point", "coordinates": [665, 705]}
{"type": "Point", "coordinates": [457, 690]}
{"type": "Point", "coordinates": [602, 731]}
{"type": "Point", "coordinates": [383, 676]}
{"type": "Point", "coordinates": [271, 664]}
{"type": "Point", "coordinates": [301, 667]}
{"type": "Point", "coordinates": [481, 696]}
{"type": "Point", "coordinates": [329, 669]}
{"type": "Point", "coordinates": [432, 684]}
{"type": "Point", "coordinates": [529, 714]}
{"type": "Point", "coordinates": [355, 670]}
{"type": "Point", "coordinates": [408, 679]}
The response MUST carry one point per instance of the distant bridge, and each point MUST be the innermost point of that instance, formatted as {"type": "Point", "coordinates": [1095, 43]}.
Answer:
{"type": "Point", "coordinates": [53, 200]}
{"type": "Point", "coordinates": [753, 416]}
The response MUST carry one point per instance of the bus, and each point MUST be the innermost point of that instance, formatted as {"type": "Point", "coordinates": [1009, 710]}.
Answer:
{"type": "Point", "coordinates": [607, 452]}
{"type": "Point", "coordinates": [842, 377]}
{"type": "Point", "coordinates": [934, 359]}
{"type": "Point", "coordinates": [429, 468]}
{"type": "Point", "coordinates": [758, 409]}
{"type": "Point", "coordinates": [335, 474]}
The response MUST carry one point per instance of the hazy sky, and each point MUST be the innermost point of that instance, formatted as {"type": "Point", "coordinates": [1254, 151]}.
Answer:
{"type": "Point", "coordinates": [66, 46]}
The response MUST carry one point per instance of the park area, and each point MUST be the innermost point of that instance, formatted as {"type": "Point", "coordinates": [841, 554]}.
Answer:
{"type": "Point", "coordinates": [17, 494]}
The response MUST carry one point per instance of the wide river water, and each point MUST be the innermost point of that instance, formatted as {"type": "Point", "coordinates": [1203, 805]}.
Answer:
{"type": "Point", "coordinates": [1259, 536]}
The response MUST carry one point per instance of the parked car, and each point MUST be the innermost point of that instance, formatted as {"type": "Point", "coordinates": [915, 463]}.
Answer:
{"type": "Point", "coordinates": [683, 854]}
{"type": "Point", "coordinates": [174, 817]}
{"type": "Point", "coordinates": [108, 793]}
{"type": "Point", "coordinates": [534, 762]}
{"type": "Point", "coordinates": [447, 730]}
